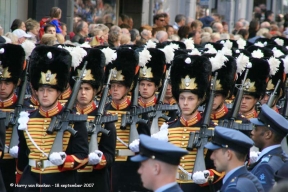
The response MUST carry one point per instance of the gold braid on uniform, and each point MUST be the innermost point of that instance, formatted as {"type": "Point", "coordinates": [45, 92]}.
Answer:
{"type": "Point", "coordinates": [220, 113]}
{"type": "Point", "coordinates": [8, 102]}
{"type": "Point", "coordinates": [51, 112]}
{"type": "Point", "coordinates": [152, 102]}
{"type": "Point", "coordinates": [190, 122]}
{"type": "Point", "coordinates": [252, 114]}
{"type": "Point", "coordinates": [34, 101]}
{"type": "Point", "coordinates": [66, 94]}
{"type": "Point", "coordinates": [91, 107]}
{"type": "Point", "coordinates": [122, 105]}
{"type": "Point", "coordinates": [171, 101]}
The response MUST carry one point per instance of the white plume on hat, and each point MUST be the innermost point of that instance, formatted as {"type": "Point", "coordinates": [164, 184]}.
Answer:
{"type": "Point", "coordinates": [77, 54]}
{"type": "Point", "coordinates": [277, 52]}
{"type": "Point", "coordinates": [150, 44]}
{"type": "Point", "coordinates": [226, 51]}
{"type": "Point", "coordinates": [285, 61]}
{"type": "Point", "coordinates": [260, 44]}
{"type": "Point", "coordinates": [228, 44]}
{"type": "Point", "coordinates": [144, 57]}
{"type": "Point", "coordinates": [241, 43]}
{"type": "Point", "coordinates": [279, 41]}
{"type": "Point", "coordinates": [274, 65]}
{"type": "Point", "coordinates": [242, 61]}
{"type": "Point", "coordinates": [257, 54]}
{"type": "Point", "coordinates": [169, 53]}
{"type": "Point", "coordinates": [211, 49]}
{"type": "Point", "coordinates": [189, 43]}
{"type": "Point", "coordinates": [174, 46]}
{"type": "Point", "coordinates": [110, 55]}
{"type": "Point", "coordinates": [194, 52]}
{"type": "Point", "coordinates": [218, 61]}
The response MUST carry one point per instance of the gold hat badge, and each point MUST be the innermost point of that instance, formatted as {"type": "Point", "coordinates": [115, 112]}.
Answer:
{"type": "Point", "coordinates": [48, 78]}
{"type": "Point", "coordinates": [117, 75]}
{"type": "Point", "coordinates": [145, 72]}
{"type": "Point", "coordinates": [249, 86]}
{"type": "Point", "coordinates": [87, 76]}
{"type": "Point", "coordinates": [4, 73]}
{"type": "Point", "coordinates": [188, 83]}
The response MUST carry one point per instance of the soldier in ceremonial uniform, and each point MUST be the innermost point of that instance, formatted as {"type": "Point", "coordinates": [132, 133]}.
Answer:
{"type": "Point", "coordinates": [50, 68]}
{"type": "Point", "coordinates": [190, 77]}
{"type": "Point", "coordinates": [159, 164]}
{"type": "Point", "coordinates": [12, 58]}
{"type": "Point", "coordinates": [124, 77]}
{"type": "Point", "coordinates": [230, 148]}
{"type": "Point", "coordinates": [97, 171]}
{"type": "Point", "coordinates": [254, 86]}
{"type": "Point", "coordinates": [270, 129]}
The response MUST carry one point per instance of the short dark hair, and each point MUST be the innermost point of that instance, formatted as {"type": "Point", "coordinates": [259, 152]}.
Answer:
{"type": "Point", "coordinates": [47, 26]}
{"type": "Point", "coordinates": [157, 16]}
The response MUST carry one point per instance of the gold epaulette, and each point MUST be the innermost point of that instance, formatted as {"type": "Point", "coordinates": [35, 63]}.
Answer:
{"type": "Point", "coordinates": [123, 135]}
{"type": "Point", "coordinates": [179, 136]}
{"type": "Point", "coordinates": [37, 128]}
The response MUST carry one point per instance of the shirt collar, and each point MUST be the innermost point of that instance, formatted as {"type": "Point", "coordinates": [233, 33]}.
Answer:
{"type": "Point", "coordinates": [167, 186]}
{"type": "Point", "coordinates": [267, 149]}
{"type": "Point", "coordinates": [230, 173]}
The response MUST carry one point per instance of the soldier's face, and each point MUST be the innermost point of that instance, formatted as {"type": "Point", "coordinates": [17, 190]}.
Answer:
{"type": "Point", "coordinates": [218, 101]}
{"type": "Point", "coordinates": [118, 91]}
{"type": "Point", "coordinates": [220, 159]}
{"type": "Point", "coordinates": [265, 99]}
{"type": "Point", "coordinates": [247, 104]}
{"type": "Point", "coordinates": [47, 96]}
{"type": "Point", "coordinates": [146, 172]}
{"type": "Point", "coordinates": [147, 89]}
{"type": "Point", "coordinates": [188, 102]}
{"type": "Point", "coordinates": [85, 95]}
{"type": "Point", "coordinates": [6, 89]}
{"type": "Point", "coordinates": [168, 94]}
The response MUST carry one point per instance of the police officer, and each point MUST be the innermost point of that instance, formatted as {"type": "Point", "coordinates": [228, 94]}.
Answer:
{"type": "Point", "coordinates": [230, 148]}
{"type": "Point", "coordinates": [159, 164]}
{"type": "Point", "coordinates": [50, 68]}
{"type": "Point", "coordinates": [270, 129]}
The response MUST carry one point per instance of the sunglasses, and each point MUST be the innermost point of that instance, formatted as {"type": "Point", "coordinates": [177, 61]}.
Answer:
{"type": "Point", "coordinates": [162, 20]}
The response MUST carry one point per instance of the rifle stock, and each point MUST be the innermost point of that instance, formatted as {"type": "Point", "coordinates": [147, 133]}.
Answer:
{"type": "Point", "coordinates": [272, 97]}
{"type": "Point", "coordinates": [202, 137]}
{"type": "Point", "coordinates": [13, 118]}
{"type": "Point", "coordinates": [96, 126]}
{"type": "Point", "coordinates": [60, 123]}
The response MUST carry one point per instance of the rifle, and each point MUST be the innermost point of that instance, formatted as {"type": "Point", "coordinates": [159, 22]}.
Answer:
{"type": "Point", "coordinates": [273, 95]}
{"type": "Point", "coordinates": [285, 110]}
{"type": "Point", "coordinates": [131, 118]}
{"type": "Point", "coordinates": [61, 123]}
{"type": "Point", "coordinates": [95, 126]}
{"type": "Point", "coordinates": [160, 106]}
{"type": "Point", "coordinates": [201, 137]}
{"type": "Point", "coordinates": [12, 118]}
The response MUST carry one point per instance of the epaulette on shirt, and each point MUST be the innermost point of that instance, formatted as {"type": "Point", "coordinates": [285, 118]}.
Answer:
{"type": "Point", "coordinates": [266, 159]}
{"type": "Point", "coordinates": [233, 182]}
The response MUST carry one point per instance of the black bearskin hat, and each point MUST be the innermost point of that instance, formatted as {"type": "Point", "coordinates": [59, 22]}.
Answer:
{"type": "Point", "coordinates": [50, 66]}
{"type": "Point", "coordinates": [266, 52]}
{"type": "Point", "coordinates": [279, 75]}
{"type": "Point", "coordinates": [124, 67]}
{"type": "Point", "coordinates": [94, 74]}
{"type": "Point", "coordinates": [165, 43]}
{"type": "Point", "coordinates": [217, 46]}
{"type": "Point", "coordinates": [190, 73]}
{"type": "Point", "coordinates": [12, 58]}
{"type": "Point", "coordinates": [154, 69]}
{"type": "Point", "coordinates": [257, 78]}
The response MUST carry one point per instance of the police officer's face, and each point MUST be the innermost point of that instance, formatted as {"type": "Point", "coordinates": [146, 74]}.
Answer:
{"type": "Point", "coordinates": [118, 91]}
{"type": "Point", "coordinates": [220, 159]}
{"type": "Point", "coordinates": [47, 96]}
{"type": "Point", "coordinates": [6, 89]}
{"type": "Point", "coordinates": [258, 136]}
{"type": "Point", "coordinates": [85, 95]}
{"type": "Point", "coordinates": [147, 89]}
{"type": "Point", "coordinates": [218, 101]}
{"type": "Point", "coordinates": [146, 172]}
{"type": "Point", "coordinates": [188, 102]}
{"type": "Point", "coordinates": [247, 104]}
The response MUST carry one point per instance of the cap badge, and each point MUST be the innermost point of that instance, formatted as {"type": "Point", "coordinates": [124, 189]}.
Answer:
{"type": "Point", "coordinates": [117, 75]}
{"type": "Point", "coordinates": [146, 72]}
{"type": "Point", "coordinates": [87, 76]}
{"type": "Point", "coordinates": [48, 78]}
{"type": "Point", "coordinates": [1, 71]}
{"type": "Point", "coordinates": [249, 86]}
{"type": "Point", "coordinates": [187, 81]}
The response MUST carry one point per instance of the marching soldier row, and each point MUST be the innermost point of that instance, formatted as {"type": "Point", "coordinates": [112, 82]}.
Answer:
{"type": "Point", "coordinates": [70, 141]}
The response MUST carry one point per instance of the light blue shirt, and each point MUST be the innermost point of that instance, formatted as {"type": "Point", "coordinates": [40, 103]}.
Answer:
{"type": "Point", "coordinates": [167, 186]}
{"type": "Point", "coordinates": [230, 173]}
{"type": "Point", "coordinates": [267, 149]}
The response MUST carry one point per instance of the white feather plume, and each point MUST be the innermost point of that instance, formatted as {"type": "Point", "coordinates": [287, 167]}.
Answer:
{"type": "Point", "coordinates": [228, 44]}
{"type": "Point", "coordinates": [150, 44]}
{"type": "Point", "coordinates": [110, 55]}
{"type": "Point", "coordinates": [218, 61]}
{"type": "Point", "coordinates": [189, 43]}
{"type": "Point", "coordinates": [226, 51]}
{"type": "Point", "coordinates": [257, 54]}
{"type": "Point", "coordinates": [242, 62]}
{"type": "Point", "coordinates": [241, 43]}
{"type": "Point", "coordinates": [285, 61]}
{"type": "Point", "coordinates": [194, 52]}
{"type": "Point", "coordinates": [279, 41]}
{"type": "Point", "coordinates": [277, 52]}
{"type": "Point", "coordinates": [274, 65]}
{"type": "Point", "coordinates": [144, 57]}
{"type": "Point", "coordinates": [28, 47]}
{"type": "Point", "coordinates": [259, 44]}
{"type": "Point", "coordinates": [174, 46]}
{"type": "Point", "coordinates": [85, 45]}
{"type": "Point", "coordinates": [169, 53]}
{"type": "Point", "coordinates": [211, 49]}
{"type": "Point", "coordinates": [77, 54]}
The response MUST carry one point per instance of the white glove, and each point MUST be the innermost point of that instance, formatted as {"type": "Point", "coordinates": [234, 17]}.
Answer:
{"type": "Point", "coordinates": [95, 157]}
{"type": "Point", "coordinates": [134, 146]}
{"type": "Point", "coordinates": [253, 156]}
{"type": "Point", "coordinates": [23, 120]}
{"type": "Point", "coordinates": [162, 134]}
{"type": "Point", "coordinates": [57, 158]}
{"type": "Point", "coordinates": [201, 177]}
